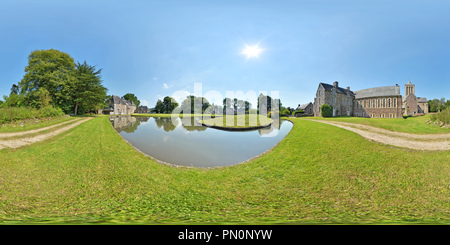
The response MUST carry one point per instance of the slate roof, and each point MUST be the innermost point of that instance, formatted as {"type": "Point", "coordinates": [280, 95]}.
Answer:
{"type": "Point", "coordinates": [422, 100]}
{"type": "Point", "coordinates": [328, 87]}
{"type": "Point", "coordinates": [117, 100]}
{"type": "Point", "coordinates": [303, 106]}
{"type": "Point", "coordinates": [378, 92]}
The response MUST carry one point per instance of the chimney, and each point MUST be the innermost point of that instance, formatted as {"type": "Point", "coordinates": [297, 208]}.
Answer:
{"type": "Point", "coordinates": [335, 84]}
{"type": "Point", "coordinates": [348, 88]}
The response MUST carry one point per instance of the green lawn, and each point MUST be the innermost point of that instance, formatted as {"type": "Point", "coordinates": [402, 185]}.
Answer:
{"type": "Point", "coordinates": [416, 125]}
{"type": "Point", "coordinates": [238, 121]}
{"type": "Point", "coordinates": [319, 173]}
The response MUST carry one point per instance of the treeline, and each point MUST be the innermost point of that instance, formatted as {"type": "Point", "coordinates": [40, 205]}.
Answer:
{"type": "Point", "coordinates": [192, 104]}
{"type": "Point", "coordinates": [437, 105]}
{"type": "Point", "coordinates": [53, 80]}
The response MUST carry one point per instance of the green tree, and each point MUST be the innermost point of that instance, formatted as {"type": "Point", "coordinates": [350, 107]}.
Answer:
{"type": "Point", "coordinates": [87, 89]}
{"type": "Point", "coordinates": [159, 107]}
{"type": "Point", "coordinates": [326, 110]}
{"type": "Point", "coordinates": [169, 104]}
{"type": "Point", "coordinates": [132, 97]}
{"type": "Point", "coordinates": [193, 104]}
{"type": "Point", "coordinates": [51, 70]}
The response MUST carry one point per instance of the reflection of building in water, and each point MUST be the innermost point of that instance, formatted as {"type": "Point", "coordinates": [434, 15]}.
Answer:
{"type": "Point", "coordinates": [267, 130]}
{"type": "Point", "coordinates": [142, 119]}
{"type": "Point", "coordinates": [122, 122]}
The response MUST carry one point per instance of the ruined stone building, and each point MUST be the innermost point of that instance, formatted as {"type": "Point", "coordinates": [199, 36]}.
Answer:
{"type": "Point", "coordinates": [379, 102]}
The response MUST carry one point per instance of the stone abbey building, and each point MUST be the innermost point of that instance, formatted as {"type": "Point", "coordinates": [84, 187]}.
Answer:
{"type": "Point", "coordinates": [379, 102]}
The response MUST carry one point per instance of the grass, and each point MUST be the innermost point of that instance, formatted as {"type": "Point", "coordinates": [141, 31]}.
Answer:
{"type": "Point", "coordinates": [33, 124]}
{"type": "Point", "coordinates": [238, 121]}
{"type": "Point", "coordinates": [416, 125]}
{"type": "Point", "coordinates": [317, 174]}
{"type": "Point", "coordinates": [12, 114]}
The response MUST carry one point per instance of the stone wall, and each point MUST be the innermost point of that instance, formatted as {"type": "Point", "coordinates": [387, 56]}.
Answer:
{"type": "Point", "coordinates": [379, 107]}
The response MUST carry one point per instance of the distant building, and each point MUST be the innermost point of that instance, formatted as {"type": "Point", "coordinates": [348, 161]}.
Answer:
{"type": "Point", "coordinates": [308, 108]}
{"type": "Point", "coordinates": [142, 109]}
{"type": "Point", "coordinates": [119, 106]}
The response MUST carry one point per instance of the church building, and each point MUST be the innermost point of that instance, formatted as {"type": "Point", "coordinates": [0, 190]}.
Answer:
{"type": "Point", "coordinates": [379, 102]}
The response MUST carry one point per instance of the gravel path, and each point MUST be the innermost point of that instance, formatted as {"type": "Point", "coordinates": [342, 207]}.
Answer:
{"type": "Point", "coordinates": [15, 143]}
{"type": "Point", "coordinates": [431, 142]}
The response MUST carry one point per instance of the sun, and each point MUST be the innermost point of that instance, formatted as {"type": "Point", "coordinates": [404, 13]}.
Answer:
{"type": "Point", "coordinates": [252, 51]}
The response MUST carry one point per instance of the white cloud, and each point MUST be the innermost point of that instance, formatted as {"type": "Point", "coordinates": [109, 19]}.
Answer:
{"type": "Point", "coordinates": [165, 85]}
{"type": "Point", "coordinates": [144, 102]}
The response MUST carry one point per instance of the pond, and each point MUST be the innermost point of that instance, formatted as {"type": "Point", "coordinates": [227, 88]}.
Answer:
{"type": "Point", "coordinates": [185, 142]}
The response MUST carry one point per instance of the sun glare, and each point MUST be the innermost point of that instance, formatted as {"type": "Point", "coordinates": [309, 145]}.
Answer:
{"type": "Point", "coordinates": [252, 51]}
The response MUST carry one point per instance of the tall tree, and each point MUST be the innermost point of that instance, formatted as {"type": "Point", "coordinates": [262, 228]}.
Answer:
{"type": "Point", "coordinates": [159, 107]}
{"type": "Point", "coordinates": [169, 104]}
{"type": "Point", "coordinates": [51, 70]}
{"type": "Point", "coordinates": [132, 97]}
{"type": "Point", "coordinates": [87, 89]}
{"type": "Point", "coordinates": [193, 104]}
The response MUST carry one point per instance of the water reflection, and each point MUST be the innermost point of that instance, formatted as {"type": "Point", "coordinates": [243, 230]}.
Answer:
{"type": "Point", "coordinates": [185, 142]}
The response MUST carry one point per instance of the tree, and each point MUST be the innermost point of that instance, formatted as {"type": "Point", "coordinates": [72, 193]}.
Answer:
{"type": "Point", "coordinates": [159, 107]}
{"type": "Point", "coordinates": [266, 103]}
{"type": "Point", "coordinates": [169, 104]}
{"type": "Point", "coordinates": [87, 89]}
{"type": "Point", "coordinates": [14, 89]}
{"type": "Point", "coordinates": [132, 97]}
{"type": "Point", "coordinates": [326, 110]}
{"type": "Point", "coordinates": [51, 70]}
{"type": "Point", "coordinates": [193, 104]}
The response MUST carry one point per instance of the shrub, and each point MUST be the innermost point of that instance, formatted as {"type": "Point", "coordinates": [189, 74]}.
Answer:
{"type": "Point", "coordinates": [298, 112]}
{"type": "Point", "coordinates": [326, 110]}
{"type": "Point", "coordinates": [11, 114]}
{"type": "Point", "coordinates": [443, 116]}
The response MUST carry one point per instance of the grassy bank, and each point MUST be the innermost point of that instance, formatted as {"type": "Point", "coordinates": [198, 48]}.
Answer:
{"type": "Point", "coordinates": [318, 173]}
{"type": "Point", "coordinates": [13, 114]}
{"type": "Point", "coordinates": [416, 125]}
{"type": "Point", "coordinates": [238, 121]}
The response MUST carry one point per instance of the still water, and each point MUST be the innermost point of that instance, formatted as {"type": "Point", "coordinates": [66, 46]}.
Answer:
{"type": "Point", "coordinates": [185, 142]}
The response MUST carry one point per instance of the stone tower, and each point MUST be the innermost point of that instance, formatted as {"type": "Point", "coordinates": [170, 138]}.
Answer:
{"type": "Point", "coordinates": [410, 89]}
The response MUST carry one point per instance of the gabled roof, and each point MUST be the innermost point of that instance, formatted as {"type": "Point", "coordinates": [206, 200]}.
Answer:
{"type": "Point", "coordinates": [117, 100]}
{"type": "Point", "coordinates": [422, 99]}
{"type": "Point", "coordinates": [328, 87]}
{"type": "Point", "coordinates": [378, 92]}
{"type": "Point", "coordinates": [303, 106]}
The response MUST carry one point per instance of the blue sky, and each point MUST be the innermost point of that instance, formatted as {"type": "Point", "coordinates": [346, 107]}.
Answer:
{"type": "Point", "coordinates": [155, 48]}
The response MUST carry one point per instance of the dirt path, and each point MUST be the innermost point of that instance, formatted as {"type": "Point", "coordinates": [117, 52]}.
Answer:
{"type": "Point", "coordinates": [12, 134]}
{"type": "Point", "coordinates": [432, 142]}
{"type": "Point", "coordinates": [15, 143]}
